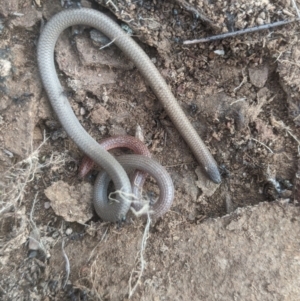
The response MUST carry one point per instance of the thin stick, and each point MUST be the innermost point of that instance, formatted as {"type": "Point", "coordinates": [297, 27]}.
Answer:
{"type": "Point", "coordinates": [108, 44]}
{"type": "Point", "coordinates": [239, 32]}
{"type": "Point", "coordinates": [112, 4]}
{"type": "Point", "coordinates": [238, 100]}
{"type": "Point", "coordinates": [296, 8]}
{"type": "Point", "coordinates": [67, 262]}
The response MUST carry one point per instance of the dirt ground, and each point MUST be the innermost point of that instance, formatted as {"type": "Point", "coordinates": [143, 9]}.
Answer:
{"type": "Point", "coordinates": [239, 240]}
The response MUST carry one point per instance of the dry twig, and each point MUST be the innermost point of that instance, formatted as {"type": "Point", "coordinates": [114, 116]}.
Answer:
{"type": "Point", "coordinates": [112, 4]}
{"type": "Point", "coordinates": [67, 262]}
{"type": "Point", "coordinates": [239, 32]}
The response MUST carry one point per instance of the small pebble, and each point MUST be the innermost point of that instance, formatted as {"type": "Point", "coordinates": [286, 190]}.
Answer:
{"type": "Point", "coordinates": [105, 99]}
{"type": "Point", "coordinates": [5, 67]}
{"type": "Point", "coordinates": [219, 52]}
{"type": "Point", "coordinates": [82, 111]}
{"type": "Point", "coordinates": [262, 15]}
{"type": "Point", "coordinates": [228, 204]}
{"type": "Point", "coordinates": [154, 60]}
{"type": "Point", "coordinates": [47, 205]}
{"type": "Point", "coordinates": [32, 254]}
{"type": "Point", "coordinates": [259, 21]}
{"type": "Point", "coordinates": [69, 231]}
{"type": "Point", "coordinates": [55, 234]}
{"type": "Point", "coordinates": [102, 129]}
{"type": "Point", "coordinates": [258, 76]}
{"type": "Point", "coordinates": [139, 133]}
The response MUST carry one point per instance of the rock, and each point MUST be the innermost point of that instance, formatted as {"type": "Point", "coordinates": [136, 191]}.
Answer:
{"type": "Point", "coordinates": [74, 204]}
{"type": "Point", "coordinates": [99, 115]}
{"type": "Point", "coordinates": [47, 205]}
{"type": "Point", "coordinates": [208, 187]}
{"type": "Point", "coordinates": [82, 111]}
{"type": "Point", "coordinates": [55, 234]}
{"type": "Point", "coordinates": [32, 254]}
{"type": "Point", "coordinates": [69, 231]}
{"type": "Point", "coordinates": [259, 76]}
{"type": "Point", "coordinates": [5, 67]}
